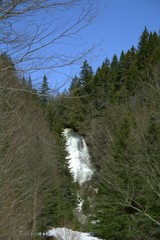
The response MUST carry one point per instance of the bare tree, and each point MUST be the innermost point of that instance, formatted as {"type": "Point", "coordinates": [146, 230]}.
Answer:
{"type": "Point", "coordinates": [28, 150]}
{"type": "Point", "coordinates": [27, 157]}
{"type": "Point", "coordinates": [35, 33]}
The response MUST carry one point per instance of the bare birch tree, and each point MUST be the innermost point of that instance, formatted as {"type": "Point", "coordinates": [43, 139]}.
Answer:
{"type": "Point", "coordinates": [27, 157]}
{"type": "Point", "coordinates": [35, 33]}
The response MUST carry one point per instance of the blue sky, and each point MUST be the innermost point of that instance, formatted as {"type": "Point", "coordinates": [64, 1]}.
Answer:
{"type": "Point", "coordinates": [118, 26]}
{"type": "Point", "coordinates": [121, 23]}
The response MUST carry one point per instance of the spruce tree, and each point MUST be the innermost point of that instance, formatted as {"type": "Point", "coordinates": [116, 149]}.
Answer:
{"type": "Point", "coordinates": [86, 77]}
{"type": "Point", "coordinates": [29, 82]}
{"type": "Point", "coordinates": [44, 91]}
{"type": "Point", "coordinates": [75, 86]}
{"type": "Point", "coordinates": [127, 71]}
{"type": "Point", "coordinates": [154, 48]}
{"type": "Point", "coordinates": [114, 80]}
{"type": "Point", "coordinates": [100, 86]}
{"type": "Point", "coordinates": [143, 52]}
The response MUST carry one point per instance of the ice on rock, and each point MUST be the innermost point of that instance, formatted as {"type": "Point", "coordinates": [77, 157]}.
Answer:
{"type": "Point", "coordinates": [78, 156]}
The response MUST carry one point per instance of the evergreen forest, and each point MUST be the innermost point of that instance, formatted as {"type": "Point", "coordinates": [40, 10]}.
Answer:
{"type": "Point", "coordinates": [117, 110]}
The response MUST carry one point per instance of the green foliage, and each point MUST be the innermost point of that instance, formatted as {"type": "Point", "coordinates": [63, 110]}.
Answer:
{"type": "Point", "coordinates": [114, 224]}
{"type": "Point", "coordinates": [143, 49]}
{"type": "Point", "coordinates": [29, 83]}
{"type": "Point", "coordinates": [44, 91]}
{"type": "Point", "coordinates": [118, 109]}
{"type": "Point", "coordinates": [86, 77]}
{"type": "Point", "coordinates": [75, 87]}
{"type": "Point", "coordinates": [116, 82]}
{"type": "Point", "coordinates": [100, 87]}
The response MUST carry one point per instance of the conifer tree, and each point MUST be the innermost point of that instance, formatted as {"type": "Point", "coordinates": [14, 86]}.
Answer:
{"type": "Point", "coordinates": [123, 137]}
{"type": "Point", "coordinates": [127, 71]}
{"type": "Point", "coordinates": [154, 48]}
{"type": "Point", "coordinates": [86, 77]}
{"type": "Point", "coordinates": [75, 86]}
{"type": "Point", "coordinates": [101, 85]}
{"type": "Point", "coordinates": [143, 52]}
{"type": "Point", "coordinates": [23, 80]}
{"type": "Point", "coordinates": [29, 82]}
{"type": "Point", "coordinates": [114, 80]}
{"type": "Point", "coordinates": [44, 91]}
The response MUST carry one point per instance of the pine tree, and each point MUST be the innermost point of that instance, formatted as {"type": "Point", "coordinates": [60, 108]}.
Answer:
{"type": "Point", "coordinates": [127, 73]}
{"type": "Point", "coordinates": [86, 77]}
{"type": "Point", "coordinates": [23, 80]}
{"type": "Point", "coordinates": [114, 83]}
{"type": "Point", "coordinates": [154, 48]}
{"type": "Point", "coordinates": [44, 91]}
{"type": "Point", "coordinates": [100, 86]}
{"type": "Point", "coordinates": [75, 86]}
{"type": "Point", "coordinates": [30, 82]}
{"type": "Point", "coordinates": [143, 50]}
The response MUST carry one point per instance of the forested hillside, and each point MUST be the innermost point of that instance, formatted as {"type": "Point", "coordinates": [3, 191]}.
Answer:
{"type": "Point", "coordinates": [117, 109]}
{"type": "Point", "coordinates": [36, 187]}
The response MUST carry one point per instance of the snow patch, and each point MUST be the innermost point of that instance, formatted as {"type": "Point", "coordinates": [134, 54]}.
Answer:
{"type": "Point", "coordinates": [68, 234]}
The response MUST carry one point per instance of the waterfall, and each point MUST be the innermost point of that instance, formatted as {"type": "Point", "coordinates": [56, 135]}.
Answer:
{"type": "Point", "coordinates": [78, 156]}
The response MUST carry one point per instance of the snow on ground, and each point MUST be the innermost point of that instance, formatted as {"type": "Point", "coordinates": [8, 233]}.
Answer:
{"type": "Point", "coordinates": [68, 234]}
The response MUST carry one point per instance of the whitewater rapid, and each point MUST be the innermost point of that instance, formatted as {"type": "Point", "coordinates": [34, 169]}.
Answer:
{"type": "Point", "coordinates": [78, 156]}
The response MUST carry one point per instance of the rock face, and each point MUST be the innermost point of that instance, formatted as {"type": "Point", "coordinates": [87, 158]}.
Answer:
{"type": "Point", "coordinates": [50, 238]}
{"type": "Point", "coordinates": [78, 156]}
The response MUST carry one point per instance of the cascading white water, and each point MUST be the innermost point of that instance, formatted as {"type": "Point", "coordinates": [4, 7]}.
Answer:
{"type": "Point", "coordinates": [78, 156]}
{"type": "Point", "coordinates": [80, 166]}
